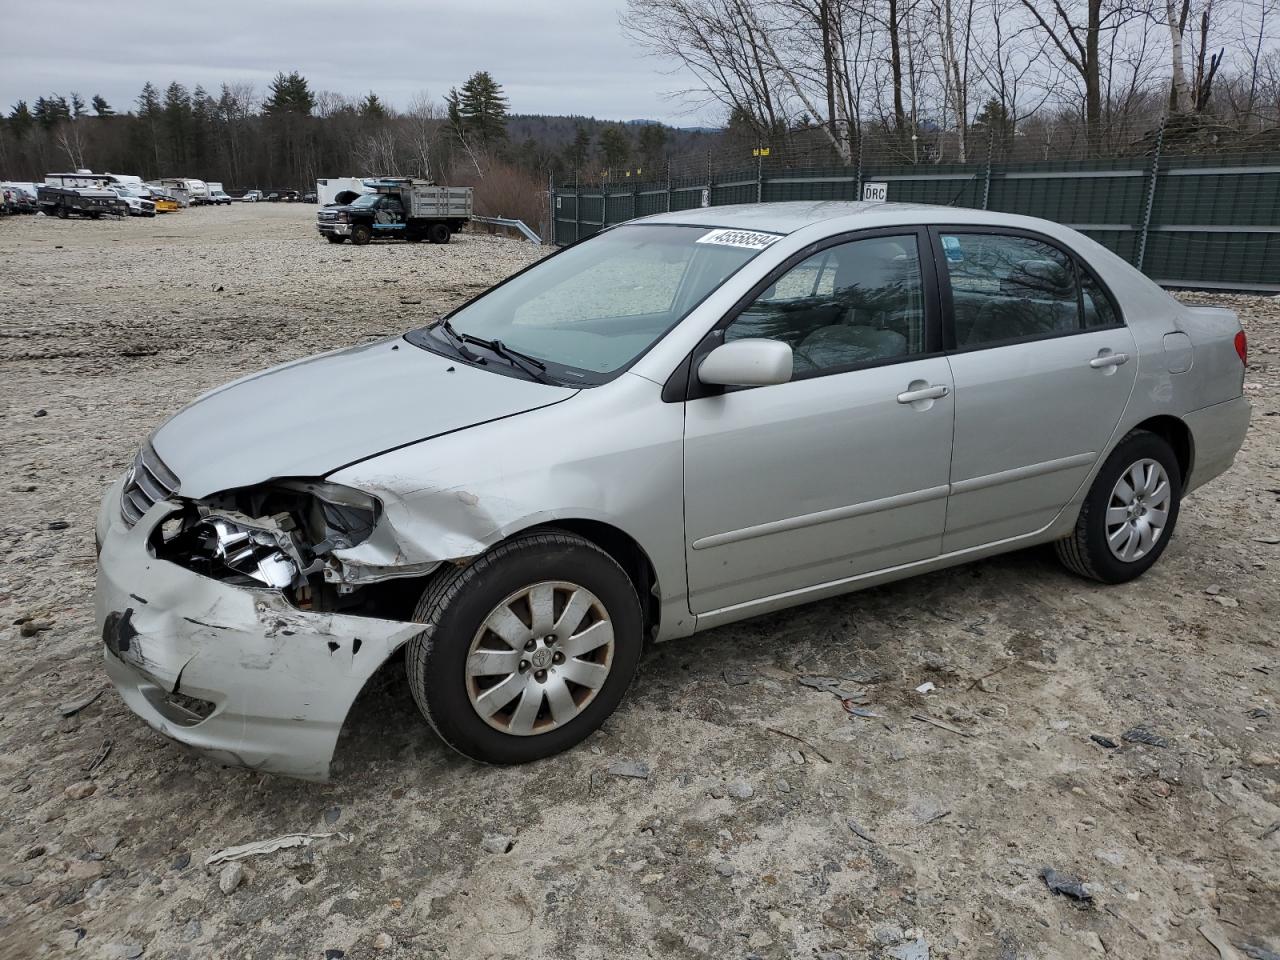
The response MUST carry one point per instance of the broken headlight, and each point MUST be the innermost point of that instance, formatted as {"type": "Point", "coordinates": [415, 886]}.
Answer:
{"type": "Point", "coordinates": [275, 535]}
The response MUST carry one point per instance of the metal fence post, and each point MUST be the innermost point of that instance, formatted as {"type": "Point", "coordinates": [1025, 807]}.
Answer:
{"type": "Point", "coordinates": [1151, 196]}
{"type": "Point", "coordinates": [759, 178]}
{"type": "Point", "coordinates": [710, 183]}
{"type": "Point", "coordinates": [551, 209]}
{"type": "Point", "coordinates": [986, 186]}
{"type": "Point", "coordinates": [633, 202]}
{"type": "Point", "coordinates": [577, 208]}
{"type": "Point", "coordinates": [604, 203]}
{"type": "Point", "coordinates": [858, 183]}
{"type": "Point", "coordinates": [668, 185]}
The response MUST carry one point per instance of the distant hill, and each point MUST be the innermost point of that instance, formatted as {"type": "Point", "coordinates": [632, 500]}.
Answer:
{"type": "Point", "coordinates": [552, 133]}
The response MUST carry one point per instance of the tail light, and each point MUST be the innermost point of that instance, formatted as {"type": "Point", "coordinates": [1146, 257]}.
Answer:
{"type": "Point", "coordinates": [1242, 347]}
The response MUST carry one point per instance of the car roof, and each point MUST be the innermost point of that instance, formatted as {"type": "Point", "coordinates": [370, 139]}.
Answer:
{"type": "Point", "coordinates": [791, 216]}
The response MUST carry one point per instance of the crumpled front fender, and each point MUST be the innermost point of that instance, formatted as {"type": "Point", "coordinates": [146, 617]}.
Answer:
{"type": "Point", "coordinates": [280, 681]}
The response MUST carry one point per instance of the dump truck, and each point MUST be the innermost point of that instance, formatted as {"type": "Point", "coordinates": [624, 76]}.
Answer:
{"type": "Point", "coordinates": [416, 210]}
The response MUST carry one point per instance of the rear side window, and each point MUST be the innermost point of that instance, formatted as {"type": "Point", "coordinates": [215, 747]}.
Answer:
{"type": "Point", "coordinates": [1098, 309]}
{"type": "Point", "coordinates": [1007, 288]}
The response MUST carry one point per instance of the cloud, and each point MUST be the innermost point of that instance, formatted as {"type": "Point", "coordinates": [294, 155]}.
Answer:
{"type": "Point", "coordinates": [551, 56]}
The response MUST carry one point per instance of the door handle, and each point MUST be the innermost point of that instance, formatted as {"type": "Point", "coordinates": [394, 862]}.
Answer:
{"type": "Point", "coordinates": [925, 393]}
{"type": "Point", "coordinates": [1108, 360]}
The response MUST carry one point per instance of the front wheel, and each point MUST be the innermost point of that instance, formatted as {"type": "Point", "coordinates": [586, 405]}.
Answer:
{"type": "Point", "coordinates": [361, 234]}
{"type": "Point", "coordinates": [1129, 515]}
{"type": "Point", "coordinates": [532, 647]}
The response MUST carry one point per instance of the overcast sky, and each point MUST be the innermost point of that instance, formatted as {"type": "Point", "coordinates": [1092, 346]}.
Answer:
{"type": "Point", "coordinates": [551, 56]}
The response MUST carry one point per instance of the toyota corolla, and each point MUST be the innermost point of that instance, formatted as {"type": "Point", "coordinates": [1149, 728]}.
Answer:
{"type": "Point", "coordinates": [678, 423]}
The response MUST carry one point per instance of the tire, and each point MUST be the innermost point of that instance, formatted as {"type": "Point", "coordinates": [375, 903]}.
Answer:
{"type": "Point", "coordinates": [460, 602]}
{"type": "Point", "coordinates": [438, 233]}
{"type": "Point", "coordinates": [63, 213]}
{"type": "Point", "coordinates": [361, 234]}
{"type": "Point", "coordinates": [1088, 551]}
{"type": "Point", "coordinates": [333, 238]}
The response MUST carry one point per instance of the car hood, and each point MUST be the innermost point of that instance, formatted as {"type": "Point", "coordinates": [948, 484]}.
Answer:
{"type": "Point", "coordinates": [312, 416]}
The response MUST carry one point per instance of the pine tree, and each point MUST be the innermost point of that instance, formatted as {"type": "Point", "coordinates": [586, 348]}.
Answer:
{"type": "Point", "coordinates": [148, 101]}
{"type": "Point", "coordinates": [480, 109]}
{"type": "Point", "coordinates": [575, 154]}
{"type": "Point", "coordinates": [20, 119]}
{"type": "Point", "coordinates": [372, 107]}
{"type": "Point", "coordinates": [177, 121]}
{"type": "Point", "coordinates": [150, 113]}
{"type": "Point", "coordinates": [101, 107]}
{"type": "Point", "coordinates": [615, 146]}
{"type": "Point", "coordinates": [653, 143]}
{"type": "Point", "coordinates": [289, 94]}
{"type": "Point", "coordinates": [77, 105]}
{"type": "Point", "coordinates": [50, 111]}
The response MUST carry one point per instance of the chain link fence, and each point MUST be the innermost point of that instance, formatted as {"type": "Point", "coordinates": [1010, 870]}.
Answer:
{"type": "Point", "coordinates": [1185, 219]}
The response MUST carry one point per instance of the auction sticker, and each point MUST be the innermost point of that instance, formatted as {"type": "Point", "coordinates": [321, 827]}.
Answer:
{"type": "Point", "coordinates": [748, 239]}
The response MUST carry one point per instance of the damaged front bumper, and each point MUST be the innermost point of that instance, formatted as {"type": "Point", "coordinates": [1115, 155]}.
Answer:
{"type": "Point", "coordinates": [237, 673]}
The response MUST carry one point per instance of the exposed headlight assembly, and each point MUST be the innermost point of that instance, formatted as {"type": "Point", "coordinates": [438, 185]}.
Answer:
{"type": "Point", "coordinates": [278, 534]}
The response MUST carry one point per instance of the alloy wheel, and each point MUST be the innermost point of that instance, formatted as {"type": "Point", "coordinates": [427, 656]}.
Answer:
{"type": "Point", "coordinates": [539, 658]}
{"type": "Point", "coordinates": [1138, 510]}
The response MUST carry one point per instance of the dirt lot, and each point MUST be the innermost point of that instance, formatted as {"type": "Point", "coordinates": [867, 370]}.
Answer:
{"type": "Point", "coordinates": [772, 823]}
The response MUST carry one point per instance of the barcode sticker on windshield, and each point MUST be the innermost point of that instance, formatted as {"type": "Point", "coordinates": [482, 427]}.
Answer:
{"type": "Point", "coordinates": [739, 238]}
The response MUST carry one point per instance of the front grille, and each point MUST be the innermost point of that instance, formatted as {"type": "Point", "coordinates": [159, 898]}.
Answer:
{"type": "Point", "coordinates": [328, 215]}
{"type": "Point", "coordinates": [149, 482]}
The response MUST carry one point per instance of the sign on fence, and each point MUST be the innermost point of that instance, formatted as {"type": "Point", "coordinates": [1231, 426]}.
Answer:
{"type": "Point", "coordinates": [875, 192]}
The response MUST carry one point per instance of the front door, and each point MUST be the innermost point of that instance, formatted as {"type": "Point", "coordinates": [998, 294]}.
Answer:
{"type": "Point", "coordinates": [1043, 367]}
{"type": "Point", "coordinates": [844, 469]}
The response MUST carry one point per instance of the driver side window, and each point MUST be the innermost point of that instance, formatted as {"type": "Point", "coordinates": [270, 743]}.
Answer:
{"type": "Point", "coordinates": [855, 303]}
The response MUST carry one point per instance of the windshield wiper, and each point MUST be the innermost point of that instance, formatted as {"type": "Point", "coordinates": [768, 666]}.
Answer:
{"type": "Point", "coordinates": [459, 342]}
{"type": "Point", "coordinates": [530, 365]}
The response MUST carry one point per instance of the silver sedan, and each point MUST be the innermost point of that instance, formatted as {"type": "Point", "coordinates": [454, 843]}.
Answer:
{"type": "Point", "coordinates": [678, 423]}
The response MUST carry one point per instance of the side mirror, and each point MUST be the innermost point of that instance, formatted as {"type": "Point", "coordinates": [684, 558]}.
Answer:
{"type": "Point", "coordinates": [747, 363]}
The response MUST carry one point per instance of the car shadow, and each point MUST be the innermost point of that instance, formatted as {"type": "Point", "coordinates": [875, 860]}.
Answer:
{"type": "Point", "coordinates": [842, 633]}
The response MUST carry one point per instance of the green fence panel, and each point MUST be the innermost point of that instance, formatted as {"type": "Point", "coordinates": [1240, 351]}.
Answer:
{"type": "Point", "coordinates": [1209, 221]}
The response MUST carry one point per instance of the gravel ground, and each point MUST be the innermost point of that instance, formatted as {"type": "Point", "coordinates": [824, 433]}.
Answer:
{"type": "Point", "coordinates": [768, 820]}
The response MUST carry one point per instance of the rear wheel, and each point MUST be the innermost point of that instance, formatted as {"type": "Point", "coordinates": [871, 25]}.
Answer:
{"type": "Point", "coordinates": [1129, 515]}
{"type": "Point", "coordinates": [361, 234]}
{"type": "Point", "coordinates": [438, 233]}
{"type": "Point", "coordinates": [533, 646]}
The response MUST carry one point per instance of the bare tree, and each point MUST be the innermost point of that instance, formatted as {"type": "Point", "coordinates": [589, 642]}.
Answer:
{"type": "Point", "coordinates": [424, 122]}
{"type": "Point", "coordinates": [71, 141]}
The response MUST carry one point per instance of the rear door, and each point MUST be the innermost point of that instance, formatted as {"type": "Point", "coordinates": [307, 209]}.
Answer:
{"type": "Point", "coordinates": [1043, 366]}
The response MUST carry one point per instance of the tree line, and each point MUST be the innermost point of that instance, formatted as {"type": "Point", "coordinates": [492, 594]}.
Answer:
{"type": "Point", "coordinates": [290, 134]}
{"type": "Point", "coordinates": [954, 80]}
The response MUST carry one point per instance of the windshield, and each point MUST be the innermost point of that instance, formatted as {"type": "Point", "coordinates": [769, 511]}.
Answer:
{"type": "Point", "coordinates": [368, 200]}
{"type": "Point", "coordinates": [593, 309]}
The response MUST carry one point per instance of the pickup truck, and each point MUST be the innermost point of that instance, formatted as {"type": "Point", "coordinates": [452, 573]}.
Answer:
{"type": "Point", "coordinates": [416, 210]}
